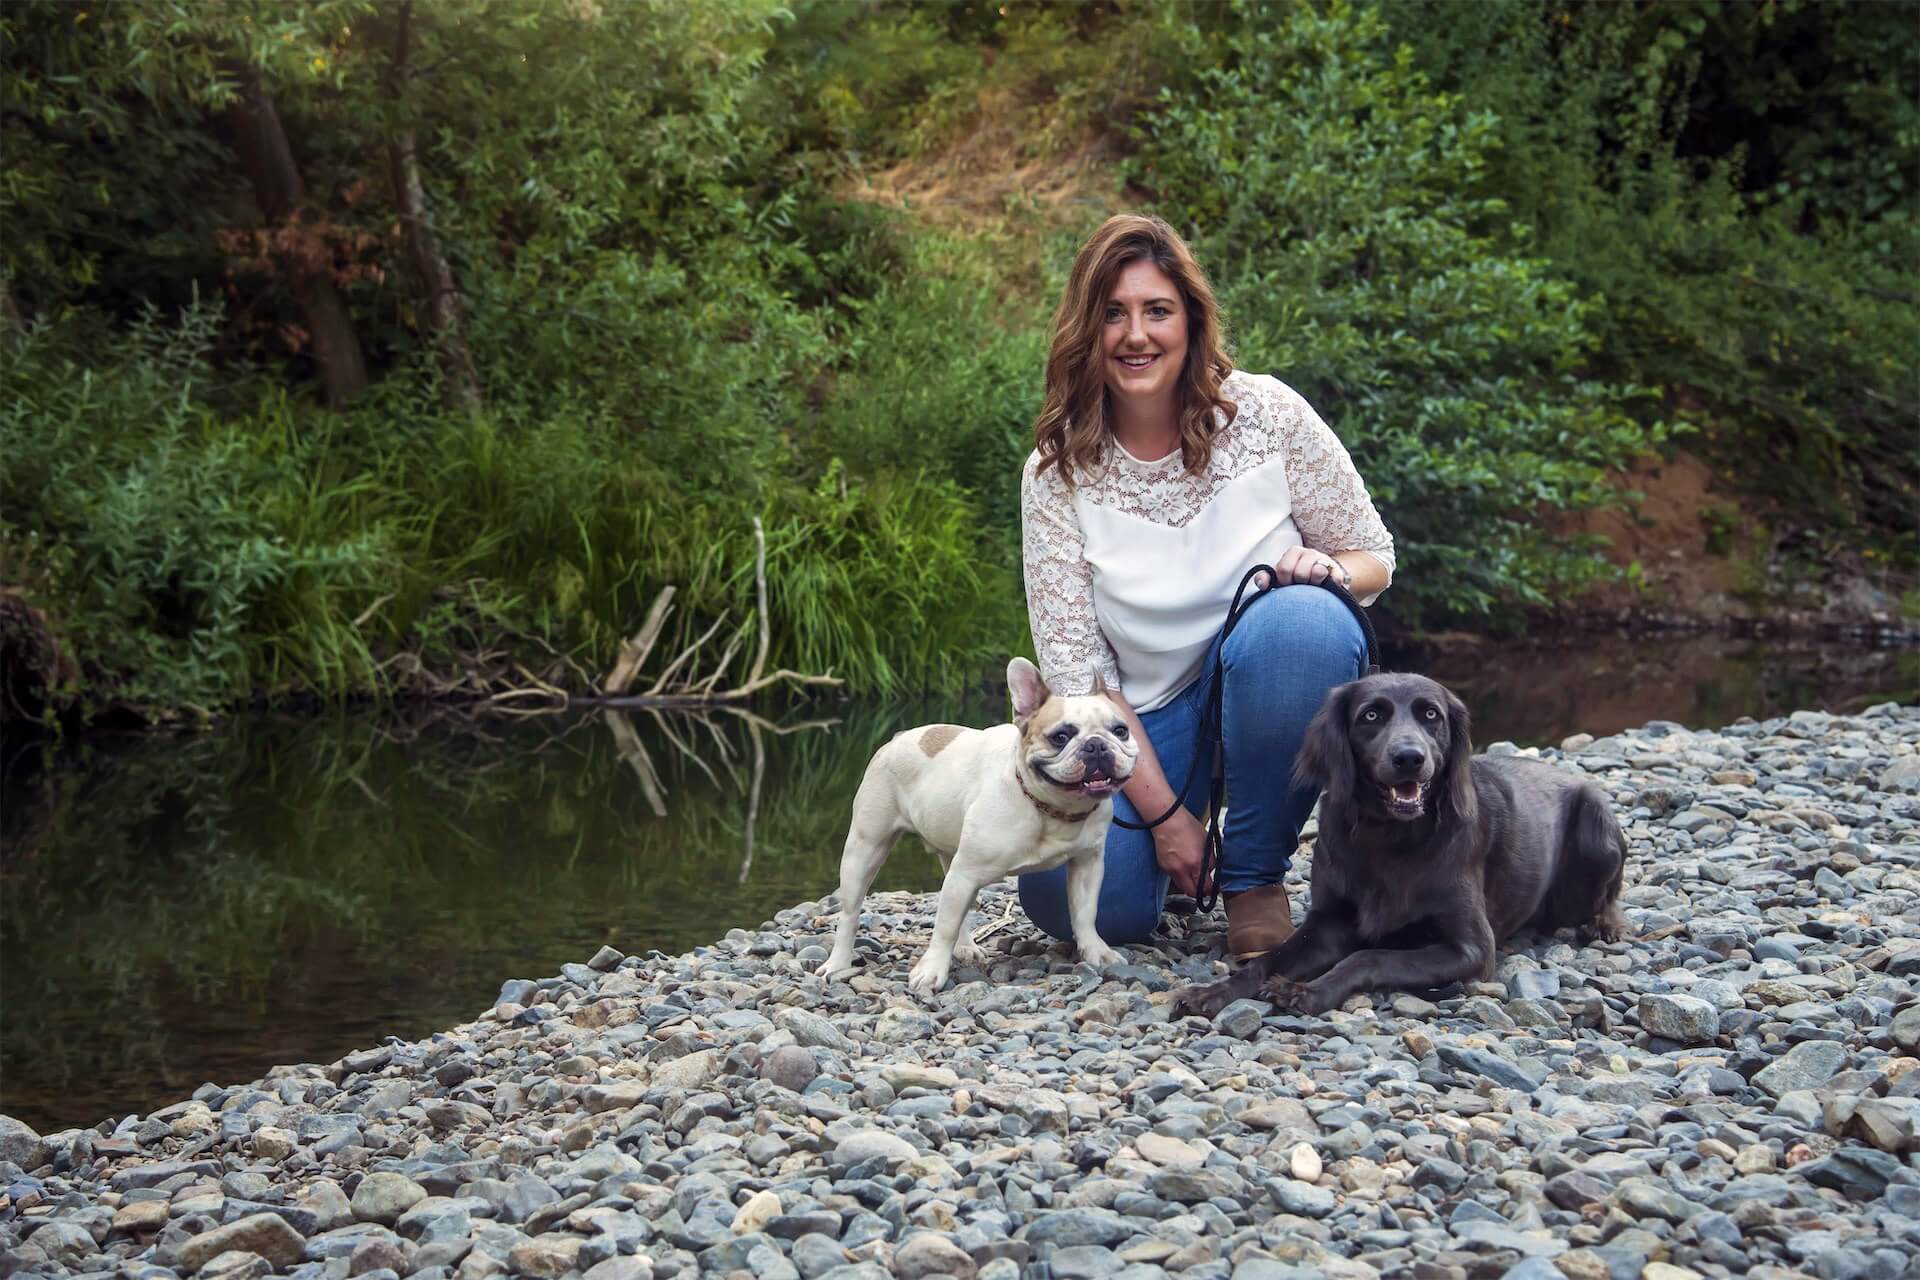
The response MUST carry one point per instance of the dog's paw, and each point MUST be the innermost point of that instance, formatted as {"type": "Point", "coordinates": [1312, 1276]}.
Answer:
{"type": "Point", "coordinates": [1297, 997]}
{"type": "Point", "coordinates": [835, 967]}
{"type": "Point", "coordinates": [928, 976]}
{"type": "Point", "coordinates": [1203, 1001]}
{"type": "Point", "coordinates": [969, 952]}
{"type": "Point", "coordinates": [1610, 925]}
{"type": "Point", "coordinates": [1099, 955]}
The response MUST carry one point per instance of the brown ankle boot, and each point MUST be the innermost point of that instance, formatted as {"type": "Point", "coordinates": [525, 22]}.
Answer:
{"type": "Point", "coordinates": [1258, 920]}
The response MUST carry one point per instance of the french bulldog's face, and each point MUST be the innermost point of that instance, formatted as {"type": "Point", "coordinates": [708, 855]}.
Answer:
{"type": "Point", "coordinates": [1078, 744]}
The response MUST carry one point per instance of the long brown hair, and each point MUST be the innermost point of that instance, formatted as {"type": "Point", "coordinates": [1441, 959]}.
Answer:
{"type": "Point", "coordinates": [1072, 428]}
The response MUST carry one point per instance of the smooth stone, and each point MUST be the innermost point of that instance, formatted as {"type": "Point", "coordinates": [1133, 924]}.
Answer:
{"type": "Point", "coordinates": [1082, 1262]}
{"type": "Point", "coordinates": [1241, 1018]}
{"type": "Point", "coordinates": [1305, 1163]}
{"type": "Point", "coordinates": [1079, 1226]}
{"type": "Point", "coordinates": [238, 1264]}
{"type": "Point", "coordinates": [931, 1254]}
{"type": "Point", "coordinates": [1169, 1152]}
{"type": "Point", "coordinates": [21, 1145]}
{"type": "Point", "coordinates": [869, 1143]}
{"type": "Point", "coordinates": [265, 1234]}
{"type": "Point", "coordinates": [1683, 1019]}
{"type": "Point", "coordinates": [1905, 1029]}
{"type": "Point", "coordinates": [761, 1208]}
{"type": "Point", "coordinates": [1301, 1198]}
{"type": "Point", "coordinates": [811, 1030]}
{"type": "Point", "coordinates": [383, 1197]}
{"type": "Point", "coordinates": [693, 1071]}
{"type": "Point", "coordinates": [1807, 1065]}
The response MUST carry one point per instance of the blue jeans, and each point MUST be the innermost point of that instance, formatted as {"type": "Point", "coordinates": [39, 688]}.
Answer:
{"type": "Point", "coordinates": [1292, 645]}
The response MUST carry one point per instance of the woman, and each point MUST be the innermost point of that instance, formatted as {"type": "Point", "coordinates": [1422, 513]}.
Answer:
{"type": "Point", "coordinates": [1160, 476]}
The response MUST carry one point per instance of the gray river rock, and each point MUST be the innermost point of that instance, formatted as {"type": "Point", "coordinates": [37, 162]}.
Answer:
{"type": "Point", "coordinates": [1731, 1091]}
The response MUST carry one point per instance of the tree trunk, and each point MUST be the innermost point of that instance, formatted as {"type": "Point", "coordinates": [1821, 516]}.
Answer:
{"type": "Point", "coordinates": [278, 190]}
{"type": "Point", "coordinates": [432, 276]}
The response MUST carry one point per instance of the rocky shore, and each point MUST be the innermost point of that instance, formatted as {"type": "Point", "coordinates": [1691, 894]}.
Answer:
{"type": "Point", "coordinates": [1731, 1092]}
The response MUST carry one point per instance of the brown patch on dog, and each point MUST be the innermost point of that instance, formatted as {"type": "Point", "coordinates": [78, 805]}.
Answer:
{"type": "Point", "coordinates": [936, 737]}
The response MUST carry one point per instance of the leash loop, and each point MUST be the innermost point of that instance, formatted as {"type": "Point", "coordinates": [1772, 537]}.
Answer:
{"type": "Point", "coordinates": [1211, 724]}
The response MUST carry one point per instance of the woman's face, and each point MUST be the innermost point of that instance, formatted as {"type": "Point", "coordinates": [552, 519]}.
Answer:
{"type": "Point", "coordinates": [1143, 338]}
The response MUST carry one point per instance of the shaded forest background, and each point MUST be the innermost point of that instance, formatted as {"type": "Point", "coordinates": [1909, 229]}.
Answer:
{"type": "Point", "coordinates": [383, 348]}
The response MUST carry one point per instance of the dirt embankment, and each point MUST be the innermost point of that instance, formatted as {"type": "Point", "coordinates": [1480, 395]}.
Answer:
{"type": "Point", "coordinates": [1693, 552]}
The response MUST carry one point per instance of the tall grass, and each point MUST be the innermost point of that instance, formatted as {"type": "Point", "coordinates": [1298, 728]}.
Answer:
{"type": "Point", "coordinates": [194, 553]}
{"type": "Point", "coordinates": [185, 555]}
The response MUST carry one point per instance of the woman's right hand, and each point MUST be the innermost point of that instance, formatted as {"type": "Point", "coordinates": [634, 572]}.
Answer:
{"type": "Point", "coordinates": [1179, 846]}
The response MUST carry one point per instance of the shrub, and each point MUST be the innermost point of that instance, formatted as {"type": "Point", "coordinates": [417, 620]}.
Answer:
{"type": "Point", "coordinates": [1729, 185]}
{"type": "Point", "coordinates": [1334, 195]}
{"type": "Point", "coordinates": [177, 551]}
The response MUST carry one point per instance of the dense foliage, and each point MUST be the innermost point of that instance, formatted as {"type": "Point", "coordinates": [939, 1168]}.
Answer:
{"type": "Point", "coordinates": [1734, 186]}
{"type": "Point", "coordinates": [345, 342]}
{"type": "Point", "coordinates": [1341, 197]}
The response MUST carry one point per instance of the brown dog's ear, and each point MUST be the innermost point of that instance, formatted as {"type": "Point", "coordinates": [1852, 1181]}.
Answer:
{"type": "Point", "coordinates": [1457, 791]}
{"type": "Point", "coordinates": [1326, 756]}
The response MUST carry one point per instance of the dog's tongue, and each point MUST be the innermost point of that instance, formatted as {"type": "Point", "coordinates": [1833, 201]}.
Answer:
{"type": "Point", "coordinates": [1406, 792]}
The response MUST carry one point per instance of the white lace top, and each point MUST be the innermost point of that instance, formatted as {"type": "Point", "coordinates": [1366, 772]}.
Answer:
{"type": "Point", "coordinates": [1131, 572]}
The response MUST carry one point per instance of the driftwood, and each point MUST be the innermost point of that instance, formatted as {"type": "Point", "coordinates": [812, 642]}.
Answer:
{"type": "Point", "coordinates": [680, 684]}
{"type": "Point", "coordinates": [634, 652]}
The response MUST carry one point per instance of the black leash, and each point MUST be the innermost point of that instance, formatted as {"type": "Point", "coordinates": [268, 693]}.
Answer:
{"type": "Point", "coordinates": [1211, 724]}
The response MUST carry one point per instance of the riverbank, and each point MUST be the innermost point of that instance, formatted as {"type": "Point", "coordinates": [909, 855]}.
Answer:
{"type": "Point", "coordinates": [1732, 1090]}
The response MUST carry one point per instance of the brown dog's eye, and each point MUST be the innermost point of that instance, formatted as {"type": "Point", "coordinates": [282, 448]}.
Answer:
{"type": "Point", "coordinates": [1370, 716]}
{"type": "Point", "coordinates": [1433, 713]}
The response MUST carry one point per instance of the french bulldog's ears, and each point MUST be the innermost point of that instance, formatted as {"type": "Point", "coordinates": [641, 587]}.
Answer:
{"type": "Point", "coordinates": [1028, 689]}
{"type": "Point", "coordinates": [1099, 684]}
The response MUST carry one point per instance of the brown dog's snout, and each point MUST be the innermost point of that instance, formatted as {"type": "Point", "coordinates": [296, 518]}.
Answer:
{"type": "Point", "coordinates": [1407, 759]}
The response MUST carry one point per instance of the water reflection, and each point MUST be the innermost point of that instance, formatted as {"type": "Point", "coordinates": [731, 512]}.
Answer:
{"type": "Point", "coordinates": [181, 909]}
{"type": "Point", "coordinates": [1534, 694]}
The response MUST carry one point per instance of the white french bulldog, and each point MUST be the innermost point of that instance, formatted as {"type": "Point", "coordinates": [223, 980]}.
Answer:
{"type": "Point", "coordinates": [992, 803]}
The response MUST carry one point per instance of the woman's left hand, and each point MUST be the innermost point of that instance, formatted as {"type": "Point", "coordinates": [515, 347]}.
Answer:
{"type": "Point", "coordinates": [1304, 565]}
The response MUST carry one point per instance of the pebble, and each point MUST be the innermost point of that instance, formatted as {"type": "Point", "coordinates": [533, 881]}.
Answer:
{"type": "Point", "coordinates": [1730, 1090]}
{"type": "Point", "coordinates": [1305, 1163]}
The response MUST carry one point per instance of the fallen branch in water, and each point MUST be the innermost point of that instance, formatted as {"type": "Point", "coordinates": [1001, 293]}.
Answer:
{"type": "Point", "coordinates": [634, 652]}
{"type": "Point", "coordinates": [680, 684]}
{"type": "Point", "coordinates": [671, 688]}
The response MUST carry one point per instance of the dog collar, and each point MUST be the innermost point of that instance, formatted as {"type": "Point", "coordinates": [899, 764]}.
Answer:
{"type": "Point", "coordinates": [1058, 814]}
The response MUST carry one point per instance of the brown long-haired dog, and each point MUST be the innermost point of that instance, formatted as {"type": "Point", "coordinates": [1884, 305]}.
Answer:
{"type": "Point", "coordinates": [1428, 856]}
{"type": "Point", "coordinates": [1072, 427]}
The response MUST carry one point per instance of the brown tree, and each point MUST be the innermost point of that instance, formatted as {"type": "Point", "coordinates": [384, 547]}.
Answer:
{"type": "Point", "coordinates": [432, 277]}
{"type": "Point", "coordinates": [307, 260]}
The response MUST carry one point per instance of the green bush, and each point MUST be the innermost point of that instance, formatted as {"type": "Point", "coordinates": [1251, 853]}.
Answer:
{"type": "Point", "coordinates": [943, 372]}
{"type": "Point", "coordinates": [1334, 196]}
{"type": "Point", "coordinates": [186, 557]}
{"type": "Point", "coordinates": [1730, 186]}
{"type": "Point", "coordinates": [195, 556]}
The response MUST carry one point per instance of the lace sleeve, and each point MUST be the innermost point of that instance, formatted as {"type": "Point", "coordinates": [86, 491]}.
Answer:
{"type": "Point", "coordinates": [1067, 638]}
{"type": "Point", "coordinates": [1330, 502]}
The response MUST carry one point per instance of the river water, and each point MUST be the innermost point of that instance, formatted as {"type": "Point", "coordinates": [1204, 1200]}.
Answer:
{"type": "Point", "coordinates": [179, 909]}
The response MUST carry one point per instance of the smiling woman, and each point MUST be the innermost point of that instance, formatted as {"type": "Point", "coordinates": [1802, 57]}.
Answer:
{"type": "Point", "coordinates": [1160, 476]}
{"type": "Point", "coordinates": [1144, 340]}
